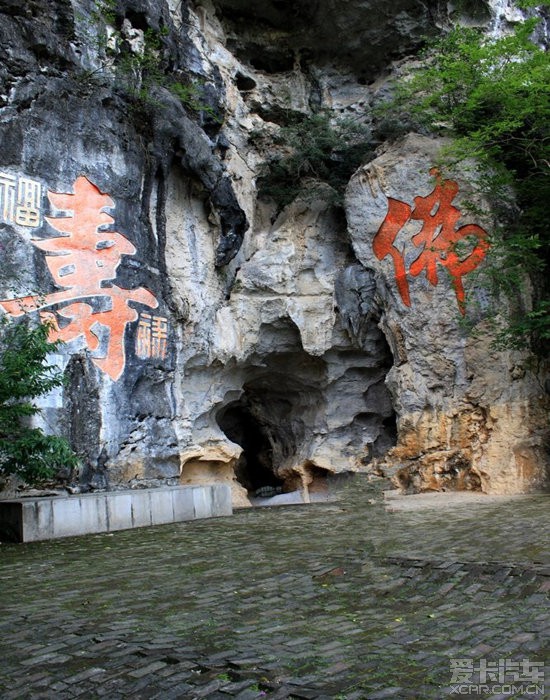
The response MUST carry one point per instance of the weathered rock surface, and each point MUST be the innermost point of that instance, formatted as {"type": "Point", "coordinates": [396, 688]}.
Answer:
{"type": "Point", "coordinates": [469, 416]}
{"type": "Point", "coordinates": [279, 349]}
{"type": "Point", "coordinates": [365, 35]}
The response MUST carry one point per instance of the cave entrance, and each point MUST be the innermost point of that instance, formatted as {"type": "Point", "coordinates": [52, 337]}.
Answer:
{"type": "Point", "coordinates": [272, 419]}
{"type": "Point", "coordinates": [255, 469]}
{"type": "Point", "coordinates": [293, 406]}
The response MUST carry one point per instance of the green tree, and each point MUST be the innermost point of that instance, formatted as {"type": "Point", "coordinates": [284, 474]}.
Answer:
{"type": "Point", "coordinates": [491, 95]}
{"type": "Point", "coordinates": [24, 376]}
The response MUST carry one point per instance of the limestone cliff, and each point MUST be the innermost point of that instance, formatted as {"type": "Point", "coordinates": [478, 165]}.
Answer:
{"type": "Point", "coordinates": [210, 334]}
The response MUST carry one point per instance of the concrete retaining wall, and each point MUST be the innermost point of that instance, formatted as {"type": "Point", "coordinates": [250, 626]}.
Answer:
{"type": "Point", "coordinates": [32, 519]}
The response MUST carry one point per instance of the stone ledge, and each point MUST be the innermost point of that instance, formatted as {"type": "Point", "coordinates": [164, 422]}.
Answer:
{"type": "Point", "coordinates": [45, 518]}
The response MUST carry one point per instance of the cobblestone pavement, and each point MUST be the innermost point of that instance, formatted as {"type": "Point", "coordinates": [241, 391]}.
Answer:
{"type": "Point", "coordinates": [340, 600]}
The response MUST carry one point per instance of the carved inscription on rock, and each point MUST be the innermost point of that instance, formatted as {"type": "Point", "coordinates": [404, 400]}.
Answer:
{"type": "Point", "coordinates": [83, 260]}
{"type": "Point", "coordinates": [439, 240]}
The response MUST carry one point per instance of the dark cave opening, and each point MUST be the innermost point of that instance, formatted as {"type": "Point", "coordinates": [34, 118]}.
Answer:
{"type": "Point", "coordinates": [244, 82]}
{"type": "Point", "coordinates": [255, 469]}
{"type": "Point", "coordinates": [275, 412]}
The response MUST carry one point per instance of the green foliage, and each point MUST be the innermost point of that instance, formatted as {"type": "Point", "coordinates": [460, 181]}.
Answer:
{"type": "Point", "coordinates": [491, 95]}
{"type": "Point", "coordinates": [24, 376]}
{"type": "Point", "coordinates": [190, 95]}
{"type": "Point", "coordinates": [139, 71]}
{"type": "Point", "coordinates": [533, 3]}
{"type": "Point", "coordinates": [532, 323]}
{"type": "Point", "coordinates": [312, 153]}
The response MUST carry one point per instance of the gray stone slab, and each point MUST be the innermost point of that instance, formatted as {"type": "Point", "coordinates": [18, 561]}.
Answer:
{"type": "Point", "coordinates": [38, 519]}
{"type": "Point", "coordinates": [221, 500]}
{"type": "Point", "coordinates": [202, 502]}
{"type": "Point", "coordinates": [119, 510]}
{"type": "Point", "coordinates": [182, 502]}
{"type": "Point", "coordinates": [32, 519]}
{"type": "Point", "coordinates": [141, 511]}
{"type": "Point", "coordinates": [162, 508]}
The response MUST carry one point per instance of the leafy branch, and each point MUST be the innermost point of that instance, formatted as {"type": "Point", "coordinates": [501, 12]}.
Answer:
{"type": "Point", "coordinates": [24, 376]}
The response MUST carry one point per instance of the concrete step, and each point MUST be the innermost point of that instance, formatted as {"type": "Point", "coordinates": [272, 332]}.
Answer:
{"type": "Point", "coordinates": [44, 518]}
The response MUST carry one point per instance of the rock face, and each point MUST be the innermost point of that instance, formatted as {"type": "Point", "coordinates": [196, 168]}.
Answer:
{"type": "Point", "coordinates": [363, 35]}
{"type": "Point", "coordinates": [462, 406]}
{"type": "Point", "coordinates": [210, 336]}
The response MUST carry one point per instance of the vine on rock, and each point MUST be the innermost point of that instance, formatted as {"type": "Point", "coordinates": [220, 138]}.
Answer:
{"type": "Point", "coordinates": [140, 66]}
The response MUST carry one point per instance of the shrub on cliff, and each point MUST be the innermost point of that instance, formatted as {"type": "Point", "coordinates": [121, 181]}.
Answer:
{"type": "Point", "coordinates": [24, 375]}
{"type": "Point", "coordinates": [491, 95]}
{"type": "Point", "coordinates": [137, 63]}
{"type": "Point", "coordinates": [310, 153]}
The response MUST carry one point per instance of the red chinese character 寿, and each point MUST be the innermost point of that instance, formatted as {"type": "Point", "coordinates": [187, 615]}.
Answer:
{"type": "Point", "coordinates": [83, 261]}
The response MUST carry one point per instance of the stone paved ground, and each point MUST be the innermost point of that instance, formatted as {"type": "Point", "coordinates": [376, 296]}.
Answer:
{"type": "Point", "coordinates": [341, 600]}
